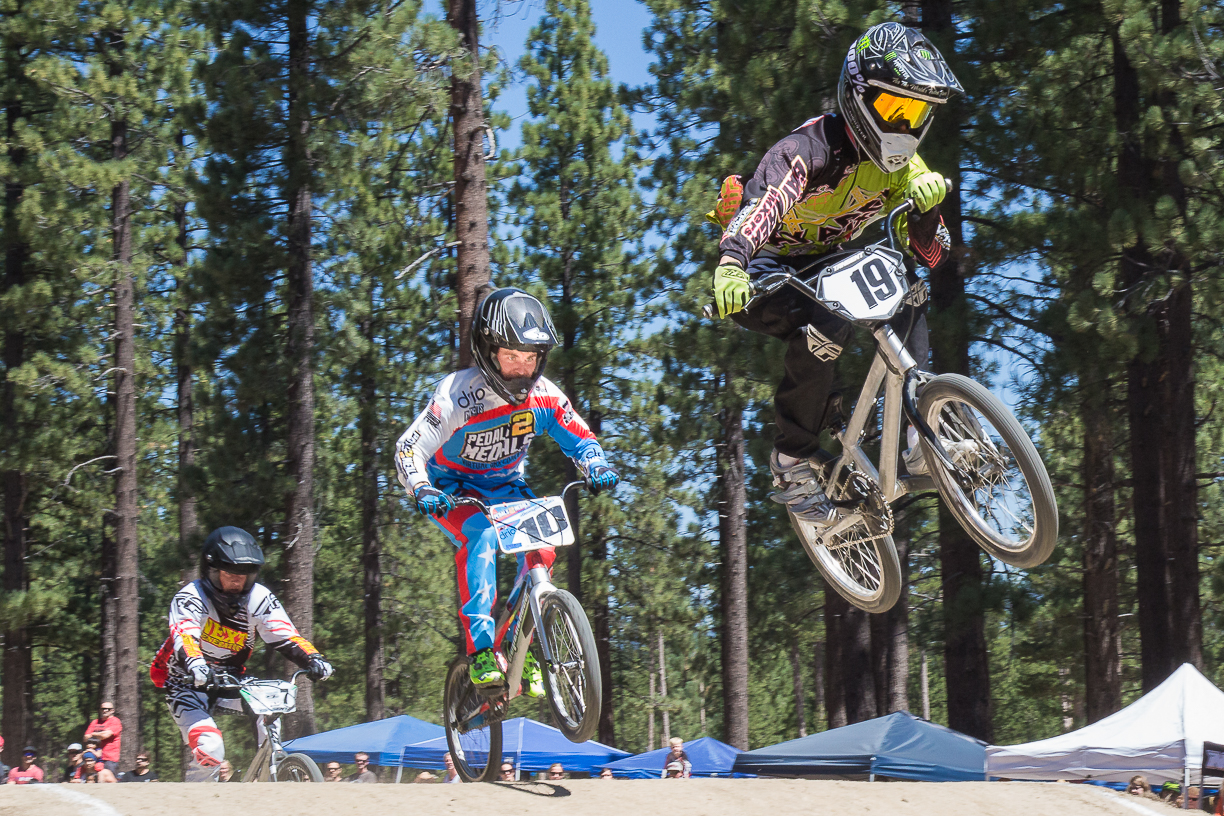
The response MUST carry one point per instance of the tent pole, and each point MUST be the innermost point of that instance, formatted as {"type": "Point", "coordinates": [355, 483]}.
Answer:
{"type": "Point", "coordinates": [1186, 782]}
{"type": "Point", "coordinates": [399, 772]}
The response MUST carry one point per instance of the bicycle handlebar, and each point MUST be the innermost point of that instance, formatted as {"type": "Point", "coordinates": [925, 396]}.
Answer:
{"type": "Point", "coordinates": [227, 682]}
{"type": "Point", "coordinates": [710, 310]}
{"type": "Point", "coordinates": [472, 501]}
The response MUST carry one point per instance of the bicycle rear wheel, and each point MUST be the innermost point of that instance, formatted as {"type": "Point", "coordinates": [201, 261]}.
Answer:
{"type": "Point", "coordinates": [473, 725]}
{"type": "Point", "coordinates": [571, 678]}
{"type": "Point", "coordinates": [999, 490]}
{"type": "Point", "coordinates": [298, 768]}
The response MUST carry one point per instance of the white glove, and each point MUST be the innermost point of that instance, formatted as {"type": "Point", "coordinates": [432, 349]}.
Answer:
{"type": "Point", "coordinates": [201, 672]}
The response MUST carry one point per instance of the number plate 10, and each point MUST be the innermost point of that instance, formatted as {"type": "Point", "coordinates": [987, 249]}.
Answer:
{"type": "Point", "coordinates": [868, 285]}
{"type": "Point", "coordinates": [532, 524]}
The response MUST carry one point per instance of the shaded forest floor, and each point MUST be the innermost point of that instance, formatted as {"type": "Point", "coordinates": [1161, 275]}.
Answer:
{"type": "Point", "coordinates": [735, 797]}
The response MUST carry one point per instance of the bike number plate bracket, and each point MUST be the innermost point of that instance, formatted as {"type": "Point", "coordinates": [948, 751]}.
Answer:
{"type": "Point", "coordinates": [868, 285]}
{"type": "Point", "coordinates": [532, 524]}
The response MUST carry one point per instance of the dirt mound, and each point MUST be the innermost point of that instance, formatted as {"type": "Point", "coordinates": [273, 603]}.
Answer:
{"type": "Point", "coordinates": [585, 797]}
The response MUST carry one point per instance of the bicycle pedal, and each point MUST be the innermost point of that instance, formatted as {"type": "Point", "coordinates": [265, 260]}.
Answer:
{"type": "Point", "coordinates": [493, 691]}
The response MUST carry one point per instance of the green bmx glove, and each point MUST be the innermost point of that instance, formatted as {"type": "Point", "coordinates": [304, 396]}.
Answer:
{"type": "Point", "coordinates": [731, 289]}
{"type": "Point", "coordinates": [927, 190]}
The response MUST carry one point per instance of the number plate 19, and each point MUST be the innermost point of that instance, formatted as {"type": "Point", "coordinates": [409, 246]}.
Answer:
{"type": "Point", "coordinates": [532, 524]}
{"type": "Point", "coordinates": [866, 285]}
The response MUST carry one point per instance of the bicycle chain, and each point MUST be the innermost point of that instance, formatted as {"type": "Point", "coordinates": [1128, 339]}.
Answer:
{"type": "Point", "coordinates": [857, 489]}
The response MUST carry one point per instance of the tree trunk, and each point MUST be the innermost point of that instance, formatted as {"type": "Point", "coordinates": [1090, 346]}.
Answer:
{"type": "Point", "coordinates": [858, 679]}
{"type": "Point", "coordinates": [371, 545]}
{"type": "Point", "coordinates": [127, 551]}
{"type": "Point", "coordinates": [924, 682]}
{"type": "Point", "coordinates": [17, 716]}
{"type": "Point", "coordinates": [819, 693]}
{"type": "Point", "coordinates": [663, 691]}
{"type": "Point", "coordinates": [797, 682]}
{"type": "Point", "coordinates": [299, 527]}
{"type": "Point", "coordinates": [1102, 663]}
{"type": "Point", "coordinates": [966, 662]}
{"type": "Point", "coordinates": [471, 203]}
{"type": "Point", "coordinates": [733, 540]}
{"type": "Point", "coordinates": [835, 607]}
{"type": "Point", "coordinates": [603, 618]}
{"type": "Point", "coordinates": [896, 632]}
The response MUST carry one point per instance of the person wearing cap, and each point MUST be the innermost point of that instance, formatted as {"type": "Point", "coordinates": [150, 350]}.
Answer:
{"type": "Point", "coordinates": [28, 772]}
{"type": "Point", "coordinates": [674, 770]}
{"type": "Point", "coordinates": [677, 754]}
{"type": "Point", "coordinates": [72, 766]}
{"type": "Point", "coordinates": [107, 730]}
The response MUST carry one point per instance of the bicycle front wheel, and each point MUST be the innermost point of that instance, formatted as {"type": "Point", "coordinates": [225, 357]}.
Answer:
{"type": "Point", "coordinates": [571, 678]}
{"type": "Point", "coordinates": [473, 725]}
{"type": "Point", "coordinates": [999, 490]}
{"type": "Point", "coordinates": [298, 768]}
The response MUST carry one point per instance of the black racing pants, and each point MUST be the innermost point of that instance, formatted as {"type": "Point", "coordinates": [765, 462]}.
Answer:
{"type": "Point", "coordinates": [814, 338]}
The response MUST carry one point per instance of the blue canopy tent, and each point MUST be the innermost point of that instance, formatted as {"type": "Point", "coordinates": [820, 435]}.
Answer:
{"type": "Point", "coordinates": [709, 757]}
{"type": "Point", "coordinates": [898, 746]}
{"type": "Point", "coordinates": [531, 745]}
{"type": "Point", "coordinates": [383, 740]}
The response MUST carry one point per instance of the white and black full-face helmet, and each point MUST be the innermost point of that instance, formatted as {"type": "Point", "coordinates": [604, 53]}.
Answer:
{"type": "Point", "coordinates": [511, 319]}
{"type": "Point", "coordinates": [890, 81]}
{"type": "Point", "coordinates": [233, 550]}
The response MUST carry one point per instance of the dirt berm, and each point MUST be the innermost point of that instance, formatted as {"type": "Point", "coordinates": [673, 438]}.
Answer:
{"type": "Point", "coordinates": [586, 797]}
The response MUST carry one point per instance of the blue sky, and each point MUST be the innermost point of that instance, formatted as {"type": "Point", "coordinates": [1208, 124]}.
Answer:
{"type": "Point", "coordinates": [618, 33]}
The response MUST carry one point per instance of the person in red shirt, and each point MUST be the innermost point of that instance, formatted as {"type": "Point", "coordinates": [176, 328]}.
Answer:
{"type": "Point", "coordinates": [28, 772]}
{"type": "Point", "coordinates": [107, 730]}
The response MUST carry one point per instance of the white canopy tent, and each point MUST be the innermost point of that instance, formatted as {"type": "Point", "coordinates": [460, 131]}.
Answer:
{"type": "Point", "coordinates": [1160, 735]}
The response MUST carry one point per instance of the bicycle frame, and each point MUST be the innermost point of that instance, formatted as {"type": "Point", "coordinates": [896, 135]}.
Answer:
{"type": "Point", "coordinates": [271, 751]}
{"type": "Point", "coordinates": [521, 619]}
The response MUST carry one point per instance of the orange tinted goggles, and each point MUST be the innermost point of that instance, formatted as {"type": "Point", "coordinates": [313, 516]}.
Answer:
{"type": "Point", "coordinates": [898, 110]}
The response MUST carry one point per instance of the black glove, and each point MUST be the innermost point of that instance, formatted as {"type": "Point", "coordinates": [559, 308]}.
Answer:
{"type": "Point", "coordinates": [601, 478]}
{"type": "Point", "coordinates": [318, 668]}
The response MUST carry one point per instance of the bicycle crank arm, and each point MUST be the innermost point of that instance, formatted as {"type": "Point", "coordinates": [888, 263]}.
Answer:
{"type": "Point", "coordinates": [841, 526]}
{"type": "Point", "coordinates": [909, 401]}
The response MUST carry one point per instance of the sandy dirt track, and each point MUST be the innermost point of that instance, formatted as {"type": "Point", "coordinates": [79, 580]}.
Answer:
{"type": "Point", "coordinates": [734, 797]}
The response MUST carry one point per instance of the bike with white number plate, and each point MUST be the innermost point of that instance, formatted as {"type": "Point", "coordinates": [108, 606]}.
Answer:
{"type": "Point", "coordinates": [564, 645]}
{"type": "Point", "coordinates": [979, 458]}
{"type": "Point", "coordinates": [267, 701]}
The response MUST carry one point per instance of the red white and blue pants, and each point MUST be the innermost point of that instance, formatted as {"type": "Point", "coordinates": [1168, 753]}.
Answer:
{"type": "Point", "coordinates": [475, 540]}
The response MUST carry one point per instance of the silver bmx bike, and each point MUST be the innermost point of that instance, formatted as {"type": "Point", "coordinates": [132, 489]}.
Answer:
{"type": "Point", "coordinates": [267, 701]}
{"type": "Point", "coordinates": [977, 455]}
{"type": "Point", "coordinates": [540, 617]}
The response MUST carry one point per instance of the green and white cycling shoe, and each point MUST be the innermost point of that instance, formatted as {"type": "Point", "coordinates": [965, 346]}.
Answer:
{"type": "Point", "coordinates": [484, 671]}
{"type": "Point", "coordinates": [533, 677]}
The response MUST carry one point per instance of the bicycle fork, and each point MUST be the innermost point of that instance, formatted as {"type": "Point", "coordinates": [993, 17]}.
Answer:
{"type": "Point", "coordinates": [521, 625]}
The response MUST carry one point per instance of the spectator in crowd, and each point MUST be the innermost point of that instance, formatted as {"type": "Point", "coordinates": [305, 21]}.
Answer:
{"type": "Point", "coordinates": [425, 776]}
{"type": "Point", "coordinates": [673, 770]}
{"type": "Point", "coordinates": [507, 772]}
{"type": "Point", "coordinates": [606, 773]}
{"type": "Point", "coordinates": [4, 769]}
{"type": "Point", "coordinates": [225, 772]}
{"type": "Point", "coordinates": [1192, 798]}
{"type": "Point", "coordinates": [72, 762]}
{"type": "Point", "coordinates": [103, 773]}
{"type": "Point", "coordinates": [555, 772]}
{"type": "Point", "coordinates": [107, 730]}
{"type": "Point", "coordinates": [452, 775]}
{"type": "Point", "coordinates": [143, 772]}
{"type": "Point", "coordinates": [333, 773]}
{"type": "Point", "coordinates": [363, 774]}
{"type": "Point", "coordinates": [677, 754]}
{"type": "Point", "coordinates": [27, 772]}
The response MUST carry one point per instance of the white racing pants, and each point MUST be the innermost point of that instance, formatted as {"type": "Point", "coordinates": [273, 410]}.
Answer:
{"type": "Point", "coordinates": [192, 711]}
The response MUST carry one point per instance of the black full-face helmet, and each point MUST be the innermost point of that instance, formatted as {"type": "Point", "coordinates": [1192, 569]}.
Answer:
{"type": "Point", "coordinates": [890, 81]}
{"type": "Point", "coordinates": [233, 550]}
{"type": "Point", "coordinates": [511, 319]}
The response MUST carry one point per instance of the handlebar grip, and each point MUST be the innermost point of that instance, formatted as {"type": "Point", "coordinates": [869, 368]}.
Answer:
{"type": "Point", "coordinates": [709, 311]}
{"type": "Point", "coordinates": [947, 184]}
